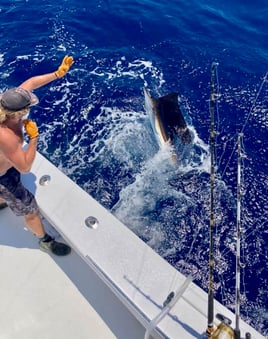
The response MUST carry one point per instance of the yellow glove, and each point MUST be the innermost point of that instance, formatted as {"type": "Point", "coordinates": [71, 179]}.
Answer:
{"type": "Point", "coordinates": [31, 128]}
{"type": "Point", "coordinates": [64, 67]}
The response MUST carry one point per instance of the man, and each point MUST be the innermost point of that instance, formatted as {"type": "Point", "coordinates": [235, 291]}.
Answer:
{"type": "Point", "coordinates": [14, 106]}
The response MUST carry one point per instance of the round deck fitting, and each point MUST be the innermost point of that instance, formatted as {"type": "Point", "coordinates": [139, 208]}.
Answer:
{"type": "Point", "coordinates": [92, 222]}
{"type": "Point", "coordinates": [44, 180]}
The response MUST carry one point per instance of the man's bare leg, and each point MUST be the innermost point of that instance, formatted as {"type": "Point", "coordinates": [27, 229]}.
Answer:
{"type": "Point", "coordinates": [3, 204]}
{"type": "Point", "coordinates": [34, 223]}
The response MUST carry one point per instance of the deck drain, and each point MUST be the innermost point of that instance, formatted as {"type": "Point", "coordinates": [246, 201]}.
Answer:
{"type": "Point", "coordinates": [92, 222]}
{"type": "Point", "coordinates": [44, 180]}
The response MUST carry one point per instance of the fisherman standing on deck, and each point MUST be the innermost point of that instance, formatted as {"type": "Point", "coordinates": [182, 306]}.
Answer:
{"type": "Point", "coordinates": [15, 105]}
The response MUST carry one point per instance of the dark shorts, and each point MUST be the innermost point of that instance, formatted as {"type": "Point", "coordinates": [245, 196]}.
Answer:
{"type": "Point", "coordinates": [18, 198]}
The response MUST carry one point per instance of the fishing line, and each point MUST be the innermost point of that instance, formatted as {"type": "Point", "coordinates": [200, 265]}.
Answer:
{"type": "Point", "coordinates": [188, 255]}
{"type": "Point", "coordinates": [246, 121]}
{"type": "Point", "coordinates": [211, 288]}
{"type": "Point", "coordinates": [248, 234]}
{"type": "Point", "coordinates": [224, 150]}
{"type": "Point", "coordinates": [254, 102]}
{"type": "Point", "coordinates": [244, 234]}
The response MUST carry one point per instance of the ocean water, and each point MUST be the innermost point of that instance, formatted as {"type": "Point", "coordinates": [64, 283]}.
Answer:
{"type": "Point", "coordinates": [94, 127]}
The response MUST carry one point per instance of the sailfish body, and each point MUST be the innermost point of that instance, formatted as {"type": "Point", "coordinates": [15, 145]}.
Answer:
{"type": "Point", "coordinates": [166, 118]}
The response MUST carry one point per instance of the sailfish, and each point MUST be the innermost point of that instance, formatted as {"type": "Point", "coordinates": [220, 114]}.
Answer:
{"type": "Point", "coordinates": [166, 118]}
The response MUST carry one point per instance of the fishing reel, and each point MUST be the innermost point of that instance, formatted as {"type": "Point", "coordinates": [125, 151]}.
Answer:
{"type": "Point", "coordinates": [225, 331]}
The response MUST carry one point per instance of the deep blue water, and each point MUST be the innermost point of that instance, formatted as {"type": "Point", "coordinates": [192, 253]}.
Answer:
{"type": "Point", "coordinates": [94, 127]}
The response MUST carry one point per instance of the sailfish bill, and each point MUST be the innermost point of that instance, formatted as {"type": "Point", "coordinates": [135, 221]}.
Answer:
{"type": "Point", "coordinates": [166, 118]}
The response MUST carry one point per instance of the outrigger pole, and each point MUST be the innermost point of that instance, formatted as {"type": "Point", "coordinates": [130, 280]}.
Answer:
{"type": "Point", "coordinates": [209, 330]}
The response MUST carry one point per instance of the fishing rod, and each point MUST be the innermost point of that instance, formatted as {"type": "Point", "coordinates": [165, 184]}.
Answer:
{"type": "Point", "coordinates": [225, 323]}
{"type": "Point", "coordinates": [238, 231]}
{"type": "Point", "coordinates": [209, 330]}
{"type": "Point", "coordinates": [224, 327]}
{"type": "Point", "coordinates": [237, 332]}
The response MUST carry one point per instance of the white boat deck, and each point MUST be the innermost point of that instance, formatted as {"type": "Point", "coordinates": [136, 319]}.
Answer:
{"type": "Point", "coordinates": [111, 286]}
{"type": "Point", "coordinates": [47, 297]}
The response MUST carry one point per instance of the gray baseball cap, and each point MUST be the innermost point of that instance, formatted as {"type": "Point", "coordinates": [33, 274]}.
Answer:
{"type": "Point", "coordinates": [18, 98]}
